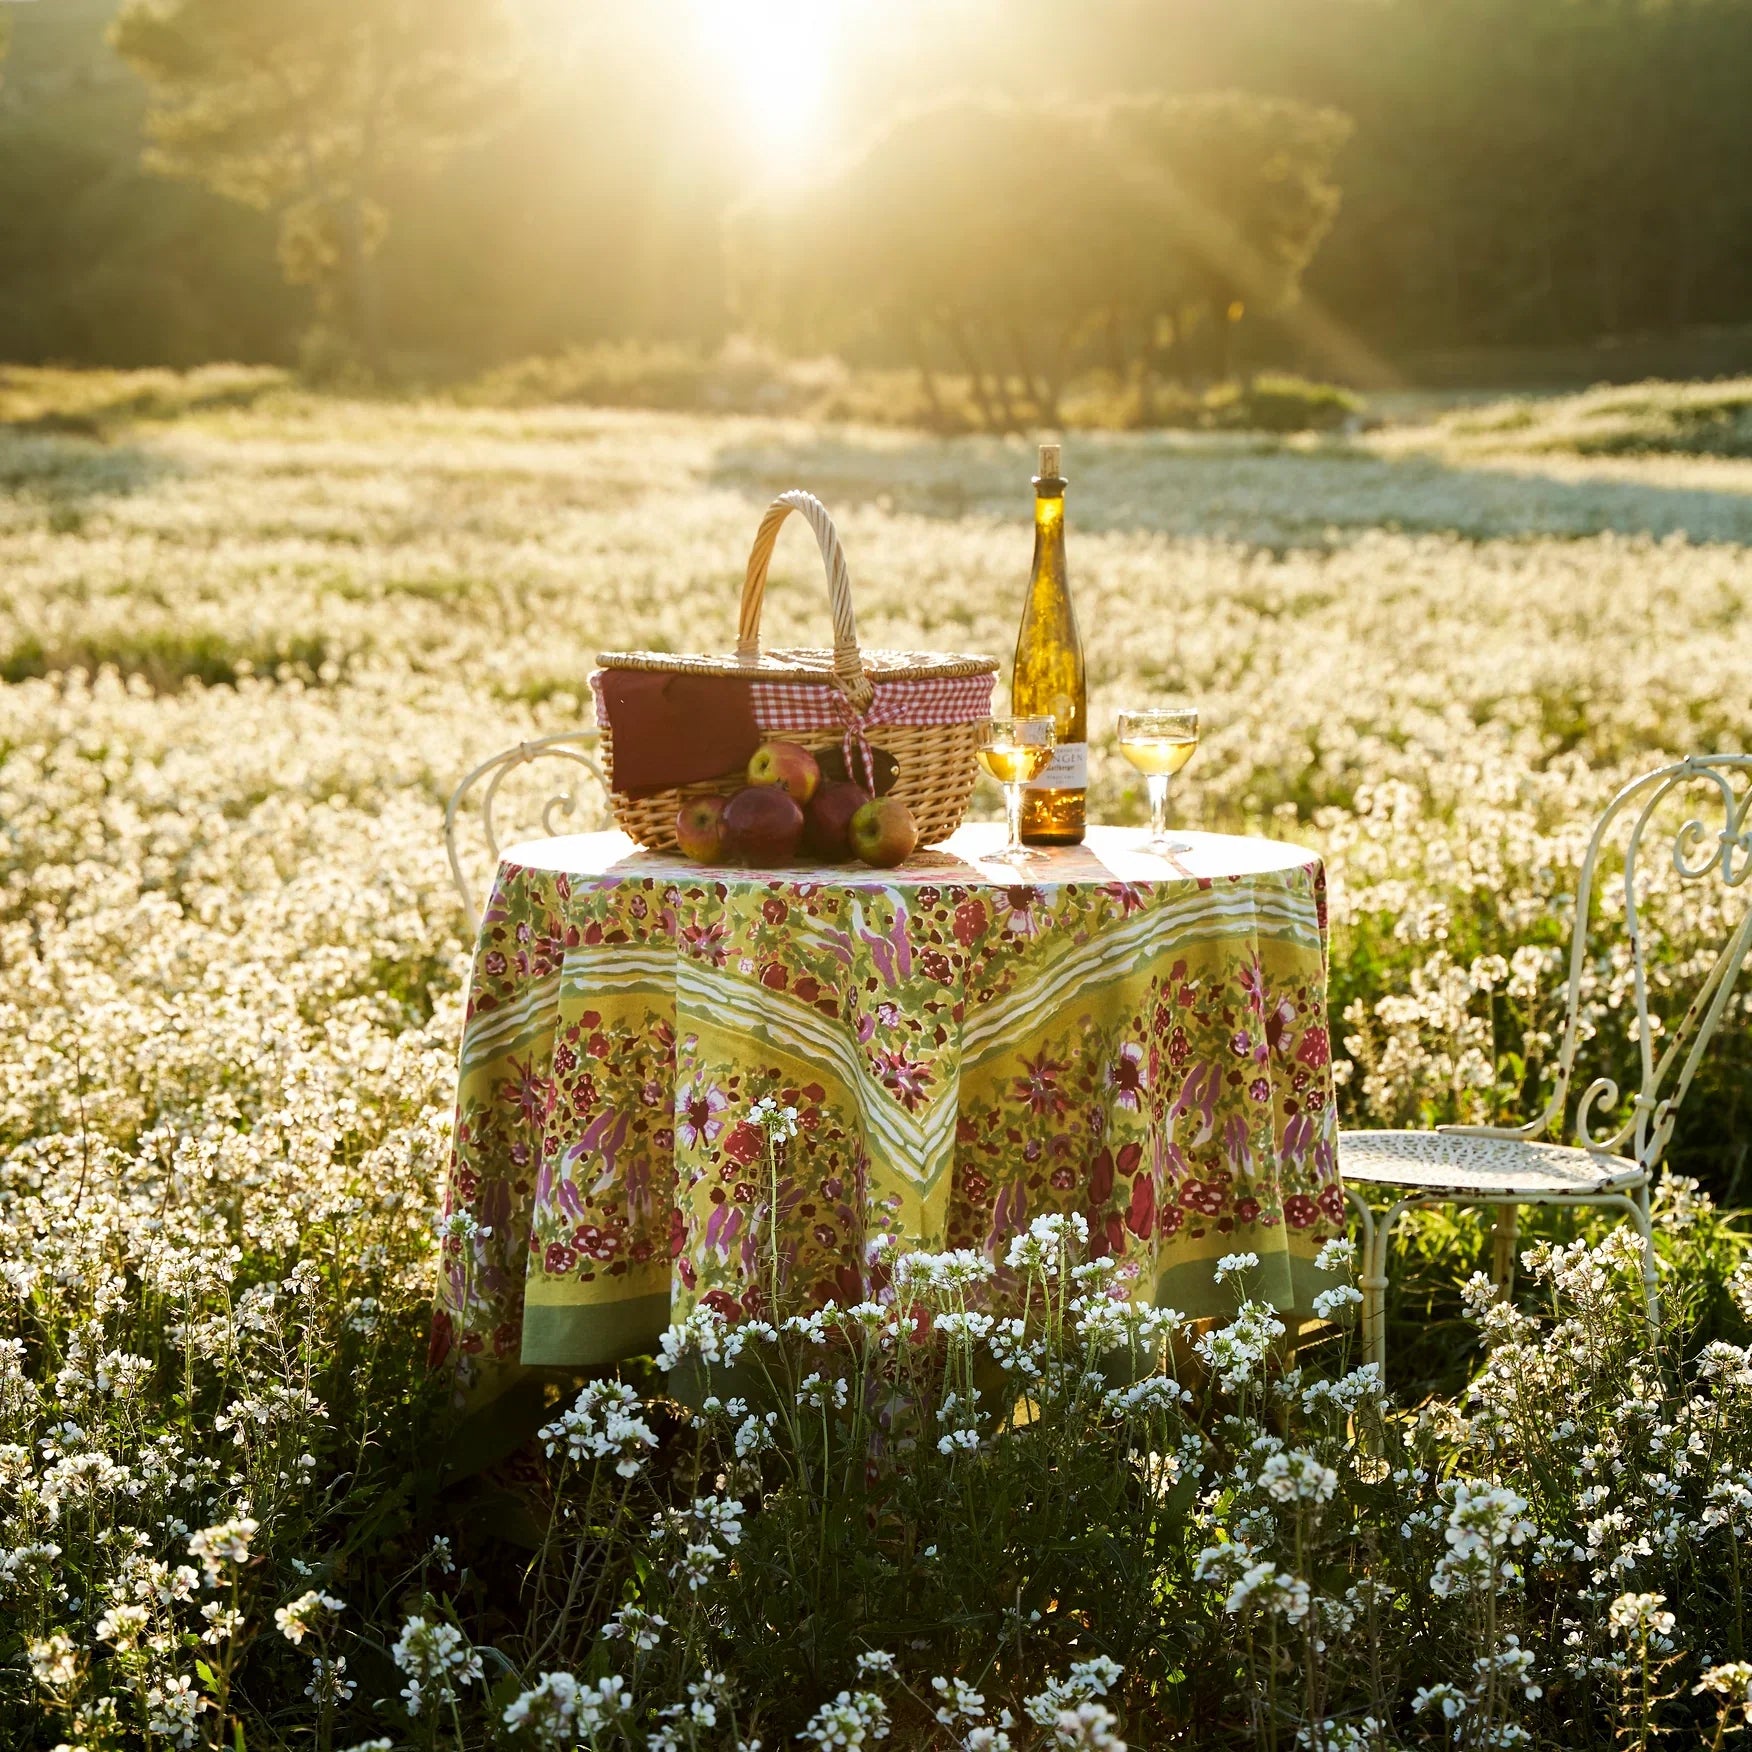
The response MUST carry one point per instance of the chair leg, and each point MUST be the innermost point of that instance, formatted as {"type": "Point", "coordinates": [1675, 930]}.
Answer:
{"type": "Point", "coordinates": [1373, 1304]}
{"type": "Point", "coordinates": [1373, 1282]}
{"type": "Point", "coordinates": [1503, 1239]}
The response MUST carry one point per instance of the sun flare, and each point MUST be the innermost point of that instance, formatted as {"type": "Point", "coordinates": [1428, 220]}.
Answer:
{"type": "Point", "coordinates": [777, 58]}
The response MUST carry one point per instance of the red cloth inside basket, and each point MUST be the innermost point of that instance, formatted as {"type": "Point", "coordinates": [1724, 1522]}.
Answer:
{"type": "Point", "coordinates": [673, 730]}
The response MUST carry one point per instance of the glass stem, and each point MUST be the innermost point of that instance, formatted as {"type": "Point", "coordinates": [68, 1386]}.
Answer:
{"type": "Point", "coordinates": [1013, 815]}
{"type": "Point", "coordinates": [1158, 783]}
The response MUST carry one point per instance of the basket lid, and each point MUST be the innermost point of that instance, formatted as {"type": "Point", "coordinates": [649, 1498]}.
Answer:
{"type": "Point", "coordinates": [806, 664]}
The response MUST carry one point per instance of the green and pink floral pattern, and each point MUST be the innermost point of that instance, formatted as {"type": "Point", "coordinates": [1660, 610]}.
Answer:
{"type": "Point", "coordinates": [964, 1048]}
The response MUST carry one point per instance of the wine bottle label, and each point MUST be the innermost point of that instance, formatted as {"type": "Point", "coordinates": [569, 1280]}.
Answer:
{"type": "Point", "coordinates": [1068, 770]}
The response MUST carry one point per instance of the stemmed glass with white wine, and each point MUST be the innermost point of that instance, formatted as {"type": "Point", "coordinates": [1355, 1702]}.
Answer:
{"type": "Point", "coordinates": [1159, 742]}
{"type": "Point", "coordinates": [1013, 751]}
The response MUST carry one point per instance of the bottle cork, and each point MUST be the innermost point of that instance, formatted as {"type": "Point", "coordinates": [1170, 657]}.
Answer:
{"type": "Point", "coordinates": [1049, 462]}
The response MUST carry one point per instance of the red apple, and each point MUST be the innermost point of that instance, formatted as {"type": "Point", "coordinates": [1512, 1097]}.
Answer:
{"type": "Point", "coordinates": [829, 817]}
{"type": "Point", "coordinates": [883, 832]}
{"type": "Point", "coordinates": [762, 825]}
{"type": "Point", "coordinates": [699, 828]}
{"type": "Point", "coordinates": [885, 769]}
{"type": "Point", "coordinates": [789, 765]}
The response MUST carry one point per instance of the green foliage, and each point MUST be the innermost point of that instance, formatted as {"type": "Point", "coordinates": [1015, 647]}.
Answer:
{"type": "Point", "coordinates": [1270, 402]}
{"type": "Point", "coordinates": [1541, 169]}
{"type": "Point", "coordinates": [305, 107]}
{"type": "Point", "coordinates": [165, 661]}
{"type": "Point", "coordinates": [1278, 402]}
{"type": "Point", "coordinates": [924, 1503]}
{"type": "Point", "coordinates": [1529, 171]}
{"type": "Point", "coordinates": [99, 260]}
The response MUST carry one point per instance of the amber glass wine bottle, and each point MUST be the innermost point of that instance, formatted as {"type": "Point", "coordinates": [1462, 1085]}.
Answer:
{"type": "Point", "coordinates": [1048, 678]}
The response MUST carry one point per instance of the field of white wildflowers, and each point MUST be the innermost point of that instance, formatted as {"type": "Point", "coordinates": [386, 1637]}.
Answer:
{"type": "Point", "coordinates": [245, 653]}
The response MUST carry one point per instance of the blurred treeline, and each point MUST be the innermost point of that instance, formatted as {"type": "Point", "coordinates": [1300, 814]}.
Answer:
{"type": "Point", "coordinates": [1516, 173]}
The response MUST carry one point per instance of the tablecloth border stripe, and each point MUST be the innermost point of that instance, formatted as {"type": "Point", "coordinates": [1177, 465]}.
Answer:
{"type": "Point", "coordinates": [487, 1034]}
{"type": "Point", "coordinates": [1288, 1282]}
{"type": "Point", "coordinates": [797, 1028]}
{"type": "Point", "coordinates": [619, 966]}
{"type": "Point", "coordinates": [578, 1334]}
{"type": "Point", "coordinates": [1133, 945]}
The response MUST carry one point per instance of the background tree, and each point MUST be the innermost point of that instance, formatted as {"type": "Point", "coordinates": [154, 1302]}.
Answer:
{"type": "Point", "coordinates": [1011, 238]}
{"type": "Point", "coordinates": [953, 237]}
{"type": "Point", "coordinates": [305, 107]}
{"type": "Point", "coordinates": [1231, 196]}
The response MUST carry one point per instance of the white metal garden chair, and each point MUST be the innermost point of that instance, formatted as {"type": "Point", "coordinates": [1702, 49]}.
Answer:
{"type": "Point", "coordinates": [574, 746]}
{"type": "Point", "coordinates": [1509, 1166]}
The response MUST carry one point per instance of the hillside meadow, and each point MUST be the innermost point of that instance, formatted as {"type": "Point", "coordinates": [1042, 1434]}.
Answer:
{"type": "Point", "coordinates": [250, 638]}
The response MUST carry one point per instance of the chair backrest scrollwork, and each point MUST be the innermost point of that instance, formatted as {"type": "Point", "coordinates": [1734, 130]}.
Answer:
{"type": "Point", "coordinates": [1714, 843]}
{"type": "Point", "coordinates": [574, 746]}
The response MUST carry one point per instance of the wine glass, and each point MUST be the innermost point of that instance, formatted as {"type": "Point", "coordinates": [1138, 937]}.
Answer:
{"type": "Point", "coordinates": [1159, 741]}
{"type": "Point", "coordinates": [1013, 751]}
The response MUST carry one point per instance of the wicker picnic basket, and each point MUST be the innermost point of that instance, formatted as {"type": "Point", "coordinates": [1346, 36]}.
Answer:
{"type": "Point", "coordinates": [924, 708]}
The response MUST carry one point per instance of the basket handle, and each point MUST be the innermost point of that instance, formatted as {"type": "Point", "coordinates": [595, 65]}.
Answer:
{"type": "Point", "coordinates": [848, 661]}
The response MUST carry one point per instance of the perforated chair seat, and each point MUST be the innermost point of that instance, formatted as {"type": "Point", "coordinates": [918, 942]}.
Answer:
{"type": "Point", "coordinates": [1455, 1166]}
{"type": "Point", "coordinates": [1421, 1169]}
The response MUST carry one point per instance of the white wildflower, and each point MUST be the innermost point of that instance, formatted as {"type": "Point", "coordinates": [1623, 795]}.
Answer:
{"type": "Point", "coordinates": [1331, 1304]}
{"type": "Point", "coordinates": [1264, 1587]}
{"type": "Point", "coordinates": [853, 1719]}
{"type": "Point", "coordinates": [1296, 1476]}
{"type": "Point", "coordinates": [1640, 1617]}
{"type": "Point", "coordinates": [1732, 1682]}
{"type": "Point", "coordinates": [437, 1660]}
{"type": "Point", "coordinates": [173, 1709]}
{"type": "Point", "coordinates": [222, 1545]}
{"type": "Point", "coordinates": [644, 1630]}
{"type": "Point", "coordinates": [298, 1618]}
{"type": "Point", "coordinates": [960, 1701]}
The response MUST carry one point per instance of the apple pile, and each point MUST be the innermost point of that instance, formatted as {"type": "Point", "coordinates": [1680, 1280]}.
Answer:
{"type": "Point", "coordinates": [787, 805]}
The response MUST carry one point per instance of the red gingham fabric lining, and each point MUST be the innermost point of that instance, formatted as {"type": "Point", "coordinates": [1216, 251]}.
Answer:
{"type": "Point", "coordinates": [781, 705]}
{"type": "Point", "coordinates": [923, 701]}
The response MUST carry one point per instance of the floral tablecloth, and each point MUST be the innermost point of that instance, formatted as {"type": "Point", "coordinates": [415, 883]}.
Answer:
{"type": "Point", "coordinates": [1139, 1040]}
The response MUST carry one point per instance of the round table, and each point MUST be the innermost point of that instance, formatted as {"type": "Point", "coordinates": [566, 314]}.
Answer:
{"type": "Point", "coordinates": [967, 1044]}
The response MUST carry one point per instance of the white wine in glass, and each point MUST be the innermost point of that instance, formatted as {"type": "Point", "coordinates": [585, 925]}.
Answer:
{"type": "Point", "coordinates": [1159, 742]}
{"type": "Point", "coordinates": [1013, 751]}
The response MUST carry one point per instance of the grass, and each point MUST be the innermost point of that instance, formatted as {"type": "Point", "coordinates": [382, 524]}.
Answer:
{"type": "Point", "coordinates": [45, 398]}
{"type": "Point", "coordinates": [1641, 419]}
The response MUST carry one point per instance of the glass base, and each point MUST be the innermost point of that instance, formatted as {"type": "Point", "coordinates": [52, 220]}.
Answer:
{"type": "Point", "coordinates": [1164, 847]}
{"type": "Point", "coordinates": [1016, 854]}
